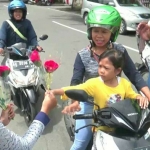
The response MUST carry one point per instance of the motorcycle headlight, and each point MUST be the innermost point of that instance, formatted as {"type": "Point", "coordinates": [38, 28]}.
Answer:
{"type": "Point", "coordinates": [16, 79]}
{"type": "Point", "coordinates": [33, 78]}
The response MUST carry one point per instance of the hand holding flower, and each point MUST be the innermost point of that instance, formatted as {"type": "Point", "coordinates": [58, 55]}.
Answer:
{"type": "Point", "coordinates": [7, 114]}
{"type": "Point", "coordinates": [49, 102]}
{"type": "Point", "coordinates": [4, 87]}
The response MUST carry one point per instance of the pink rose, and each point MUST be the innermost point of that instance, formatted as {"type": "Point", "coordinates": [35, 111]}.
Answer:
{"type": "Point", "coordinates": [4, 71]}
{"type": "Point", "coordinates": [35, 58]}
{"type": "Point", "coordinates": [50, 66]}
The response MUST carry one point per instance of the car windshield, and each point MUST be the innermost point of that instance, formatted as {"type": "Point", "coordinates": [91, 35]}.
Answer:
{"type": "Point", "coordinates": [132, 3]}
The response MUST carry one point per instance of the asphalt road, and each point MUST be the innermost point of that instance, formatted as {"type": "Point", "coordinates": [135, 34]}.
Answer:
{"type": "Point", "coordinates": [67, 35]}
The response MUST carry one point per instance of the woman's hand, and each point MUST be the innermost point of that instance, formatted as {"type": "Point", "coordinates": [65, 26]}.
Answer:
{"type": "Point", "coordinates": [143, 30]}
{"type": "Point", "coordinates": [1, 51]}
{"type": "Point", "coordinates": [7, 114]}
{"type": "Point", "coordinates": [72, 108]}
{"type": "Point", "coordinates": [39, 48]}
{"type": "Point", "coordinates": [49, 102]}
{"type": "Point", "coordinates": [143, 101]}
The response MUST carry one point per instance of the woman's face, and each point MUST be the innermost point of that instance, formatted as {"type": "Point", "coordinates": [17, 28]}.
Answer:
{"type": "Point", "coordinates": [17, 14]}
{"type": "Point", "coordinates": [106, 70]}
{"type": "Point", "coordinates": [100, 36]}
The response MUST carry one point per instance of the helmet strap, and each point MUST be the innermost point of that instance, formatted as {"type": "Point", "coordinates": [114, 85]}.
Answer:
{"type": "Point", "coordinates": [109, 45]}
{"type": "Point", "coordinates": [91, 53]}
{"type": "Point", "coordinates": [92, 44]}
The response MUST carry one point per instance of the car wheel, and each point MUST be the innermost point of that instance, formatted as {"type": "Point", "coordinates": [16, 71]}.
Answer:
{"type": "Point", "coordinates": [85, 17]}
{"type": "Point", "coordinates": [48, 3]}
{"type": "Point", "coordinates": [123, 27]}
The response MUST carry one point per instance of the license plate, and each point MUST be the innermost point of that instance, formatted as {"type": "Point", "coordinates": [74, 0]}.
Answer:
{"type": "Point", "coordinates": [25, 64]}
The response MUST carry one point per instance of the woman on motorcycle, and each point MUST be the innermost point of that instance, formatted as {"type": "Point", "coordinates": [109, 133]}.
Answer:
{"type": "Point", "coordinates": [108, 87]}
{"type": "Point", "coordinates": [10, 140]}
{"type": "Point", "coordinates": [17, 11]}
{"type": "Point", "coordinates": [102, 30]}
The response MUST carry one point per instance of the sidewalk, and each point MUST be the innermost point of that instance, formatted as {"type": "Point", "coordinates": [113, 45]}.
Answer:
{"type": "Point", "coordinates": [66, 8]}
{"type": "Point", "coordinates": [4, 1]}
{"type": "Point", "coordinates": [58, 6]}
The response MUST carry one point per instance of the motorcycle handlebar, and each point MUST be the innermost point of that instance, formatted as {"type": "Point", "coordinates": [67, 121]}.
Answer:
{"type": "Point", "coordinates": [33, 47]}
{"type": "Point", "coordinates": [83, 116]}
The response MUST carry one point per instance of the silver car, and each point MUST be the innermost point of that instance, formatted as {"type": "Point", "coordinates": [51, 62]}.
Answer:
{"type": "Point", "coordinates": [131, 11]}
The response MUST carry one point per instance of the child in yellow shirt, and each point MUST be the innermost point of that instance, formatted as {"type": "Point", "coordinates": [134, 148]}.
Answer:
{"type": "Point", "coordinates": [108, 87]}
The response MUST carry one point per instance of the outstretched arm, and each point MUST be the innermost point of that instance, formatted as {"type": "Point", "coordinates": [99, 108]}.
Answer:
{"type": "Point", "coordinates": [58, 92]}
{"type": "Point", "coordinates": [10, 140]}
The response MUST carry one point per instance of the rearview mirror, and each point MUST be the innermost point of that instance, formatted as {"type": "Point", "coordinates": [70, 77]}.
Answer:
{"type": "Point", "coordinates": [43, 37]}
{"type": "Point", "coordinates": [79, 95]}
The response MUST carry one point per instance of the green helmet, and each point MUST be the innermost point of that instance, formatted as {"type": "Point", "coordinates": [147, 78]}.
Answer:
{"type": "Point", "coordinates": [106, 17]}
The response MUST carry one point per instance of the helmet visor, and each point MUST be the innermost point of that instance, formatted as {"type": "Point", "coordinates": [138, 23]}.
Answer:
{"type": "Point", "coordinates": [108, 27]}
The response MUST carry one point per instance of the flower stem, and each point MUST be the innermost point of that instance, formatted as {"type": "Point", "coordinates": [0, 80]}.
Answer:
{"type": "Point", "coordinates": [48, 80]}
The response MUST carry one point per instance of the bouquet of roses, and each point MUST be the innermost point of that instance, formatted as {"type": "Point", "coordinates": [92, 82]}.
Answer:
{"type": "Point", "coordinates": [5, 93]}
{"type": "Point", "coordinates": [35, 58]}
{"type": "Point", "coordinates": [50, 66]}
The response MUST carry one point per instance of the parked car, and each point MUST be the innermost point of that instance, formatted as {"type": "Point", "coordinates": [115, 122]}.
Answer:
{"type": "Point", "coordinates": [131, 11]}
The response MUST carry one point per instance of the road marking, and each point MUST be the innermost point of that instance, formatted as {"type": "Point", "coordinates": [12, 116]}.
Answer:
{"type": "Point", "coordinates": [130, 48]}
{"type": "Point", "coordinates": [7, 6]}
{"type": "Point", "coordinates": [54, 9]}
{"type": "Point", "coordinates": [69, 27]}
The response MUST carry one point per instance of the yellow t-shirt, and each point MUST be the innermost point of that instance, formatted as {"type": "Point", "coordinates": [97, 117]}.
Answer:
{"type": "Point", "coordinates": [103, 94]}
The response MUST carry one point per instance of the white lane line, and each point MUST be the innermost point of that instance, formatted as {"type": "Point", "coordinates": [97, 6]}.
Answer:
{"type": "Point", "coordinates": [69, 27]}
{"type": "Point", "coordinates": [63, 11]}
{"type": "Point", "coordinates": [7, 6]}
{"type": "Point", "coordinates": [130, 48]}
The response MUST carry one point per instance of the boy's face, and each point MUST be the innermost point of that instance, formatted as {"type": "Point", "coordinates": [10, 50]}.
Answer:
{"type": "Point", "coordinates": [106, 70]}
{"type": "Point", "coordinates": [100, 36]}
{"type": "Point", "coordinates": [17, 14]}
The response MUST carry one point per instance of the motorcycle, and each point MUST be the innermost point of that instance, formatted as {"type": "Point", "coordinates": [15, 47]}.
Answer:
{"type": "Point", "coordinates": [143, 68]}
{"type": "Point", "coordinates": [25, 78]}
{"type": "Point", "coordinates": [131, 123]}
